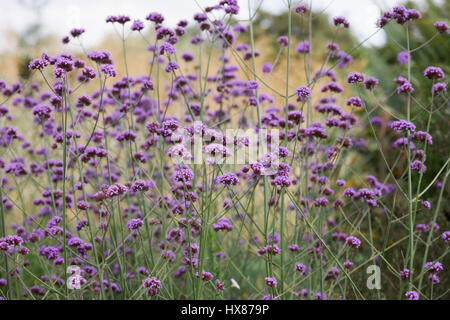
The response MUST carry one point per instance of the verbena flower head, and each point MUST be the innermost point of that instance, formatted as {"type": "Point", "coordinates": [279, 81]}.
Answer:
{"type": "Point", "coordinates": [303, 93]}
{"type": "Point", "coordinates": [355, 77]}
{"type": "Point", "coordinates": [441, 27]}
{"type": "Point", "coordinates": [353, 242]}
{"type": "Point", "coordinates": [402, 126]}
{"type": "Point", "coordinates": [412, 295]}
{"type": "Point", "coordinates": [303, 47]}
{"type": "Point", "coordinates": [403, 57]}
{"type": "Point", "coordinates": [434, 73]}
{"type": "Point", "coordinates": [341, 21]}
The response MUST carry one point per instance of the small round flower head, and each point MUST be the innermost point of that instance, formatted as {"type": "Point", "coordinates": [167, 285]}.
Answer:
{"type": "Point", "coordinates": [434, 267]}
{"type": "Point", "coordinates": [271, 282]}
{"type": "Point", "coordinates": [206, 276]}
{"type": "Point", "coordinates": [355, 101]}
{"type": "Point", "coordinates": [418, 166]}
{"type": "Point", "coordinates": [446, 236]}
{"type": "Point", "coordinates": [405, 88]}
{"type": "Point", "coordinates": [301, 9]}
{"type": "Point", "coordinates": [426, 204]}
{"type": "Point", "coordinates": [283, 41]}
{"type": "Point", "coordinates": [355, 77]}
{"type": "Point", "coordinates": [412, 295]}
{"type": "Point", "coordinates": [252, 85]}
{"type": "Point", "coordinates": [267, 67]}
{"type": "Point", "coordinates": [434, 73]}
{"type": "Point", "coordinates": [320, 296]}
{"type": "Point", "coordinates": [353, 242]}
{"type": "Point", "coordinates": [76, 32]}
{"type": "Point", "coordinates": [441, 27]}
{"type": "Point", "coordinates": [171, 66]}
{"type": "Point", "coordinates": [37, 64]}
{"type": "Point", "coordinates": [404, 274]}
{"type": "Point", "coordinates": [439, 87]}
{"type": "Point", "coordinates": [422, 136]}
{"type": "Point", "coordinates": [228, 179]}
{"type": "Point", "coordinates": [371, 83]}
{"type": "Point", "coordinates": [303, 93]}
{"type": "Point", "coordinates": [155, 17]}
{"type": "Point", "coordinates": [341, 21]}
{"type": "Point", "coordinates": [403, 57]}
{"type": "Point", "coordinates": [332, 47]}
{"type": "Point", "coordinates": [152, 285]}
{"type": "Point", "coordinates": [137, 25]}
{"type": "Point", "coordinates": [121, 19]}
{"type": "Point", "coordinates": [402, 126]}
{"type": "Point", "coordinates": [220, 285]}
{"type": "Point", "coordinates": [303, 47]}
{"type": "Point", "coordinates": [108, 70]}
{"type": "Point", "coordinates": [300, 268]}
{"type": "Point", "coordinates": [348, 264]}
{"type": "Point", "coordinates": [223, 224]}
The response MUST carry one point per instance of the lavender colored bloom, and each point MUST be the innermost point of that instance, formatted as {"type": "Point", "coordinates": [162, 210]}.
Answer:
{"type": "Point", "coordinates": [137, 25]}
{"type": "Point", "coordinates": [433, 267]}
{"type": "Point", "coordinates": [402, 126]}
{"type": "Point", "coordinates": [446, 236]}
{"type": "Point", "coordinates": [343, 59]}
{"type": "Point", "coordinates": [434, 73]}
{"type": "Point", "coordinates": [355, 77]}
{"type": "Point", "coordinates": [353, 242]}
{"type": "Point", "coordinates": [267, 67]}
{"type": "Point", "coordinates": [439, 87]}
{"type": "Point", "coordinates": [303, 93]}
{"type": "Point", "coordinates": [108, 70]}
{"type": "Point", "coordinates": [320, 296]}
{"type": "Point", "coordinates": [412, 295]}
{"type": "Point", "coordinates": [341, 21]}
{"type": "Point", "coordinates": [303, 47]}
{"type": "Point", "coordinates": [405, 88]}
{"type": "Point", "coordinates": [348, 264]}
{"type": "Point", "coordinates": [152, 285]}
{"type": "Point", "coordinates": [155, 17]}
{"type": "Point", "coordinates": [171, 66]}
{"type": "Point", "coordinates": [418, 166]}
{"type": "Point", "coordinates": [228, 179]}
{"type": "Point", "coordinates": [422, 136]}
{"type": "Point", "coordinates": [271, 282]}
{"type": "Point", "coordinates": [370, 83]}
{"type": "Point", "coordinates": [441, 27]}
{"type": "Point", "coordinates": [283, 41]}
{"type": "Point", "coordinates": [76, 32]}
{"type": "Point", "coordinates": [404, 274]}
{"type": "Point", "coordinates": [38, 64]}
{"type": "Point", "coordinates": [252, 85]}
{"type": "Point", "coordinates": [403, 57]}
{"type": "Point", "coordinates": [301, 9]}
{"type": "Point", "coordinates": [355, 101]}
{"type": "Point", "coordinates": [223, 224]}
{"type": "Point", "coordinates": [300, 268]}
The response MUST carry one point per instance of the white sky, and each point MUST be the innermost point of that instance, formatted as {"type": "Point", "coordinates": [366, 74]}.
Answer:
{"type": "Point", "coordinates": [59, 16]}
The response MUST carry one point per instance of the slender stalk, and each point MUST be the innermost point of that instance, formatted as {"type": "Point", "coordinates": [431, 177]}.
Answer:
{"type": "Point", "coordinates": [410, 200]}
{"type": "Point", "coordinates": [258, 111]}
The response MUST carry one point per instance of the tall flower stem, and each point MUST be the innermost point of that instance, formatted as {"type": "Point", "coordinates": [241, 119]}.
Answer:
{"type": "Point", "coordinates": [410, 199]}
{"type": "Point", "coordinates": [258, 111]}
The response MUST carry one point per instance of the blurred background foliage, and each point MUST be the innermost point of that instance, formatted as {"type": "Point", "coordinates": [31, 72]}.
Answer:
{"type": "Point", "coordinates": [382, 63]}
